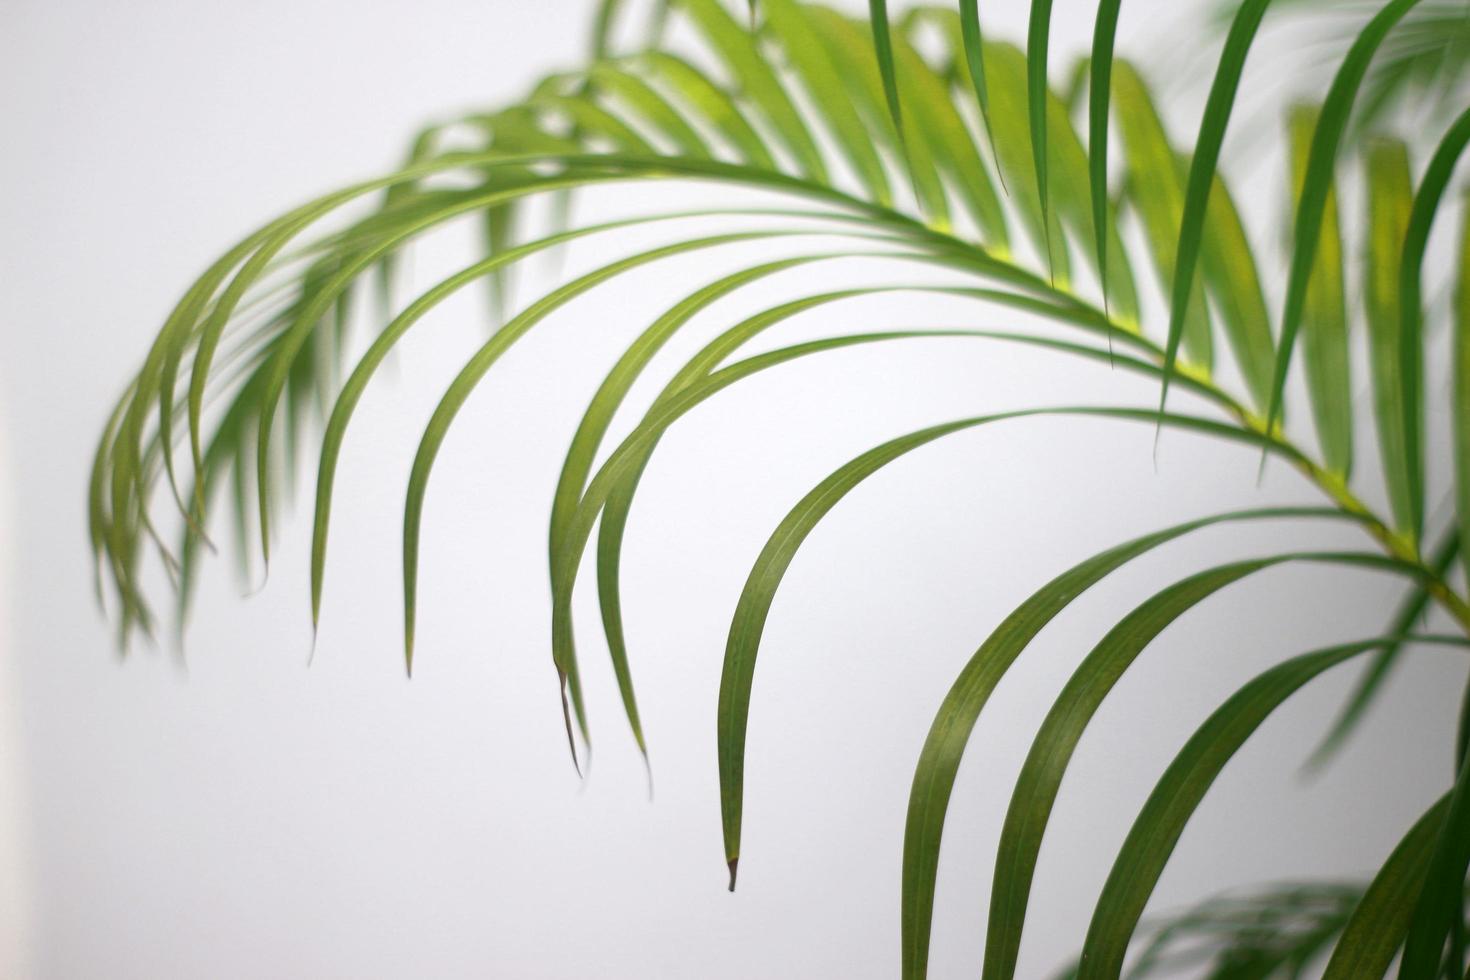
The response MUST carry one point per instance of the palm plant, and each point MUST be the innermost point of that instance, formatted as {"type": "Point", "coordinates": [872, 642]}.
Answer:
{"type": "Point", "coordinates": [915, 140]}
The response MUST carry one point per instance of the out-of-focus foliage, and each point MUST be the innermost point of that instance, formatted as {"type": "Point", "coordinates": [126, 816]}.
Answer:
{"type": "Point", "coordinates": [1423, 69]}
{"type": "Point", "coordinates": [1280, 931]}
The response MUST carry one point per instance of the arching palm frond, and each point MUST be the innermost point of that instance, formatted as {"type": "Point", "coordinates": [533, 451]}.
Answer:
{"type": "Point", "coordinates": [920, 141]}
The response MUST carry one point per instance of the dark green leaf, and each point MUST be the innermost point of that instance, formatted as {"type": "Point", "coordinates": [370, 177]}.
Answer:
{"type": "Point", "coordinates": [1376, 930]}
{"type": "Point", "coordinates": [1440, 903]}
{"type": "Point", "coordinates": [1202, 175]}
{"type": "Point", "coordinates": [1037, 94]}
{"type": "Point", "coordinates": [1051, 752]}
{"type": "Point", "coordinates": [1461, 385]}
{"type": "Point", "coordinates": [1179, 792]}
{"type": "Point", "coordinates": [1101, 86]}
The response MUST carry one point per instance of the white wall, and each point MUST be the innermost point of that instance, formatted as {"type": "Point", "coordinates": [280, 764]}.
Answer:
{"type": "Point", "coordinates": [248, 817]}
{"type": "Point", "coordinates": [16, 883]}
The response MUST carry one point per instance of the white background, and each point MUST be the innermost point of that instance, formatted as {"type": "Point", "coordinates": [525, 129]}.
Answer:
{"type": "Point", "coordinates": [250, 817]}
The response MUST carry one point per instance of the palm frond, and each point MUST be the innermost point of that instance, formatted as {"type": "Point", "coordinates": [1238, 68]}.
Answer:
{"type": "Point", "coordinates": [948, 735]}
{"type": "Point", "coordinates": [921, 143]}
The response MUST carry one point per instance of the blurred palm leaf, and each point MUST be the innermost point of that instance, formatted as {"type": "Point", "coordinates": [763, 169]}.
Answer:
{"type": "Point", "coordinates": [1423, 68]}
{"type": "Point", "coordinates": [918, 141]}
{"type": "Point", "coordinates": [1283, 930]}
{"type": "Point", "coordinates": [1279, 931]}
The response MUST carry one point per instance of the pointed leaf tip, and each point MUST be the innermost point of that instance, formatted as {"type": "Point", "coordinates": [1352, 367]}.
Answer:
{"type": "Point", "coordinates": [734, 865]}
{"type": "Point", "coordinates": [566, 717]}
{"type": "Point", "coordinates": [1201, 178]}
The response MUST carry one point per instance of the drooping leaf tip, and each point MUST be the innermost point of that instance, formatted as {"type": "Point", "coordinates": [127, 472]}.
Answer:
{"type": "Point", "coordinates": [566, 717]}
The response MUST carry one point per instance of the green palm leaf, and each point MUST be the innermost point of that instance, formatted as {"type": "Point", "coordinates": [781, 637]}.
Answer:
{"type": "Point", "coordinates": [825, 85]}
{"type": "Point", "coordinates": [711, 103]}
{"type": "Point", "coordinates": [1390, 198]}
{"type": "Point", "coordinates": [1156, 190]}
{"type": "Point", "coordinates": [1461, 413]}
{"type": "Point", "coordinates": [1376, 930]}
{"type": "Point", "coordinates": [1324, 314]}
{"type": "Point", "coordinates": [1178, 794]}
{"type": "Point", "coordinates": [851, 48]}
{"type": "Point", "coordinates": [1037, 95]}
{"type": "Point", "coordinates": [1100, 91]}
{"type": "Point", "coordinates": [974, 46]}
{"type": "Point", "coordinates": [883, 48]}
{"type": "Point", "coordinates": [758, 81]}
{"type": "Point", "coordinates": [1317, 182]}
{"type": "Point", "coordinates": [1410, 611]}
{"type": "Point", "coordinates": [1439, 907]}
{"type": "Point", "coordinates": [1201, 180]}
